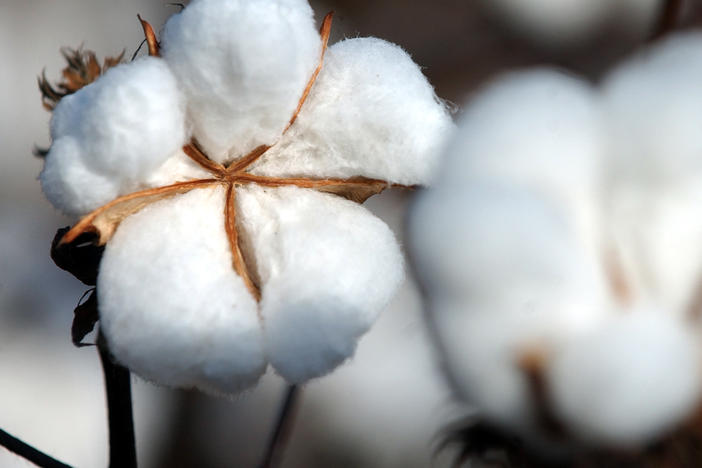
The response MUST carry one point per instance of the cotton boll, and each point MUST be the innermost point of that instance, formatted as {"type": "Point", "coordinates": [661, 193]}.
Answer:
{"type": "Point", "coordinates": [505, 277]}
{"type": "Point", "coordinates": [630, 381]}
{"type": "Point", "coordinates": [327, 268]}
{"type": "Point", "coordinates": [553, 24]}
{"type": "Point", "coordinates": [538, 129]}
{"type": "Point", "coordinates": [654, 113]}
{"type": "Point", "coordinates": [371, 112]}
{"type": "Point", "coordinates": [172, 308]}
{"type": "Point", "coordinates": [69, 184]}
{"type": "Point", "coordinates": [243, 65]}
{"type": "Point", "coordinates": [128, 122]}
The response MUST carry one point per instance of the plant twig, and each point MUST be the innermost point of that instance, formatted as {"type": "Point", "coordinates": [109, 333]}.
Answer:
{"type": "Point", "coordinates": [119, 412]}
{"type": "Point", "coordinates": [283, 428]}
{"type": "Point", "coordinates": [28, 452]}
{"type": "Point", "coordinates": [668, 17]}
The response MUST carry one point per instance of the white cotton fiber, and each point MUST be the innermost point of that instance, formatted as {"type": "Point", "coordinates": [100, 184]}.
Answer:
{"type": "Point", "coordinates": [172, 307]}
{"type": "Point", "coordinates": [628, 382]}
{"type": "Point", "coordinates": [654, 116]}
{"type": "Point", "coordinates": [505, 276]}
{"type": "Point", "coordinates": [371, 113]}
{"type": "Point", "coordinates": [538, 129]}
{"type": "Point", "coordinates": [243, 65]}
{"type": "Point", "coordinates": [123, 126]}
{"type": "Point", "coordinates": [654, 113]}
{"type": "Point", "coordinates": [327, 268]}
{"type": "Point", "coordinates": [554, 24]}
{"type": "Point", "coordinates": [69, 184]}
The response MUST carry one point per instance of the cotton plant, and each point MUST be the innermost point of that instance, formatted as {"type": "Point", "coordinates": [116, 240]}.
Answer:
{"type": "Point", "coordinates": [561, 253]}
{"type": "Point", "coordinates": [224, 174]}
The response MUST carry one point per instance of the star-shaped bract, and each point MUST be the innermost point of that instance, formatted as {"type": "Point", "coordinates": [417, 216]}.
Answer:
{"type": "Point", "coordinates": [248, 245]}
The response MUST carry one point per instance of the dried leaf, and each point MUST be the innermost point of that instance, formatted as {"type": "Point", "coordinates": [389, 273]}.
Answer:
{"type": "Point", "coordinates": [85, 316]}
{"type": "Point", "coordinates": [104, 220]}
{"type": "Point", "coordinates": [83, 68]}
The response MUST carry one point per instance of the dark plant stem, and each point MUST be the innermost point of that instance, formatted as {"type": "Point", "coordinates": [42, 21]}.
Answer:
{"type": "Point", "coordinates": [28, 452]}
{"type": "Point", "coordinates": [283, 428]}
{"type": "Point", "coordinates": [119, 412]}
{"type": "Point", "coordinates": [668, 17]}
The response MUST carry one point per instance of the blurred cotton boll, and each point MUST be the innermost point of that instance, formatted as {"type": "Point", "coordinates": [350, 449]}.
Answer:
{"type": "Point", "coordinates": [563, 24]}
{"type": "Point", "coordinates": [560, 253]}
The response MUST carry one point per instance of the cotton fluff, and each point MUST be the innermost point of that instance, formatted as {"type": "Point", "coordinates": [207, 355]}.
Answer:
{"type": "Point", "coordinates": [312, 318]}
{"type": "Point", "coordinates": [171, 307]}
{"type": "Point", "coordinates": [654, 110]}
{"type": "Point", "coordinates": [551, 143]}
{"type": "Point", "coordinates": [506, 277]}
{"type": "Point", "coordinates": [243, 65]}
{"type": "Point", "coordinates": [630, 381]}
{"type": "Point", "coordinates": [384, 97]}
{"type": "Point", "coordinates": [112, 134]}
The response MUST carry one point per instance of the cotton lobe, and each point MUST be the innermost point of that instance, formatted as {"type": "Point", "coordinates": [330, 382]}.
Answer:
{"type": "Point", "coordinates": [564, 235]}
{"type": "Point", "coordinates": [246, 245]}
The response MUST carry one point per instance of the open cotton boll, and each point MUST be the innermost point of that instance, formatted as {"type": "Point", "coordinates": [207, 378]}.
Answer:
{"type": "Point", "coordinates": [628, 382]}
{"type": "Point", "coordinates": [327, 268]}
{"type": "Point", "coordinates": [178, 168]}
{"type": "Point", "coordinates": [371, 112]}
{"type": "Point", "coordinates": [554, 24]}
{"type": "Point", "coordinates": [539, 129]}
{"type": "Point", "coordinates": [654, 112]}
{"type": "Point", "coordinates": [505, 276]}
{"type": "Point", "coordinates": [172, 308]}
{"type": "Point", "coordinates": [243, 65]}
{"type": "Point", "coordinates": [69, 184]}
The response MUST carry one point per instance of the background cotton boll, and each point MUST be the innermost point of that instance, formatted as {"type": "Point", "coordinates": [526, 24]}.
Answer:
{"type": "Point", "coordinates": [553, 24]}
{"type": "Point", "coordinates": [505, 276]}
{"type": "Point", "coordinates": [538, 129]}
{"type": "Point", "coordinates": [312, 319]}
{"type": "Point", "coordinates": [172, 308]}
{"type": "Point", "coordinates": [69, 185]}
{"type": "Point", "coordinates": [654, 110]}
{"type": "Point", "coordinates": [372, 113]}
{"type": "Point", "coordinates": [243, 65]}
{"type": "Point", "coordinates": [628, 382]}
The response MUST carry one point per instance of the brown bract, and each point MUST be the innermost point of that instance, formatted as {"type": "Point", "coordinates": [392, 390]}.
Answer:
{"type": "Point", "coordinates": [104, 220]}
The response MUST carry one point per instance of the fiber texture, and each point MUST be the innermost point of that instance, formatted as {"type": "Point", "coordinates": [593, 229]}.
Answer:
{"type": "Point", "coordinates": [327, 268]}
{"type": "Point", "coordinates": [562, 241]}
{"type": "Point", "coordinates": [372, 88]}
{"type": "Point", "coordinates": [242, 65]}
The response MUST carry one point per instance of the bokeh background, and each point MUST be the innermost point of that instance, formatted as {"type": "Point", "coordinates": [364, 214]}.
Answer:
{"type": "Point", "coordinates": [385, 407]}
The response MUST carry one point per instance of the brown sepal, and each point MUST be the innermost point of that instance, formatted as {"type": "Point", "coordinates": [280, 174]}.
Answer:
{"type": "Point", "coordinates": [104, 220]}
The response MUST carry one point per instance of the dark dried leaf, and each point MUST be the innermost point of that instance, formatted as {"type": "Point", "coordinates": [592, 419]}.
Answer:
{"type": "Point", "coordinates": [85, 316]}
{"type": "Point", "coordinates": [81, 258]}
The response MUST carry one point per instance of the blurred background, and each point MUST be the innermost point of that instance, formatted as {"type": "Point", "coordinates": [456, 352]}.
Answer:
{"type": "Point", "coordinates": [382, 409]}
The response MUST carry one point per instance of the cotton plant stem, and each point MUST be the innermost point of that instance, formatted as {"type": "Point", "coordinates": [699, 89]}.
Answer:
{"type": "Point", "coordinates": [668, 17]}
{"type": "Point", "coordinates": [28, 452]}
{"type": "Point", "coordinates": [119, 412]}
{"type": "Point", "coordinates": [283, 428]}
